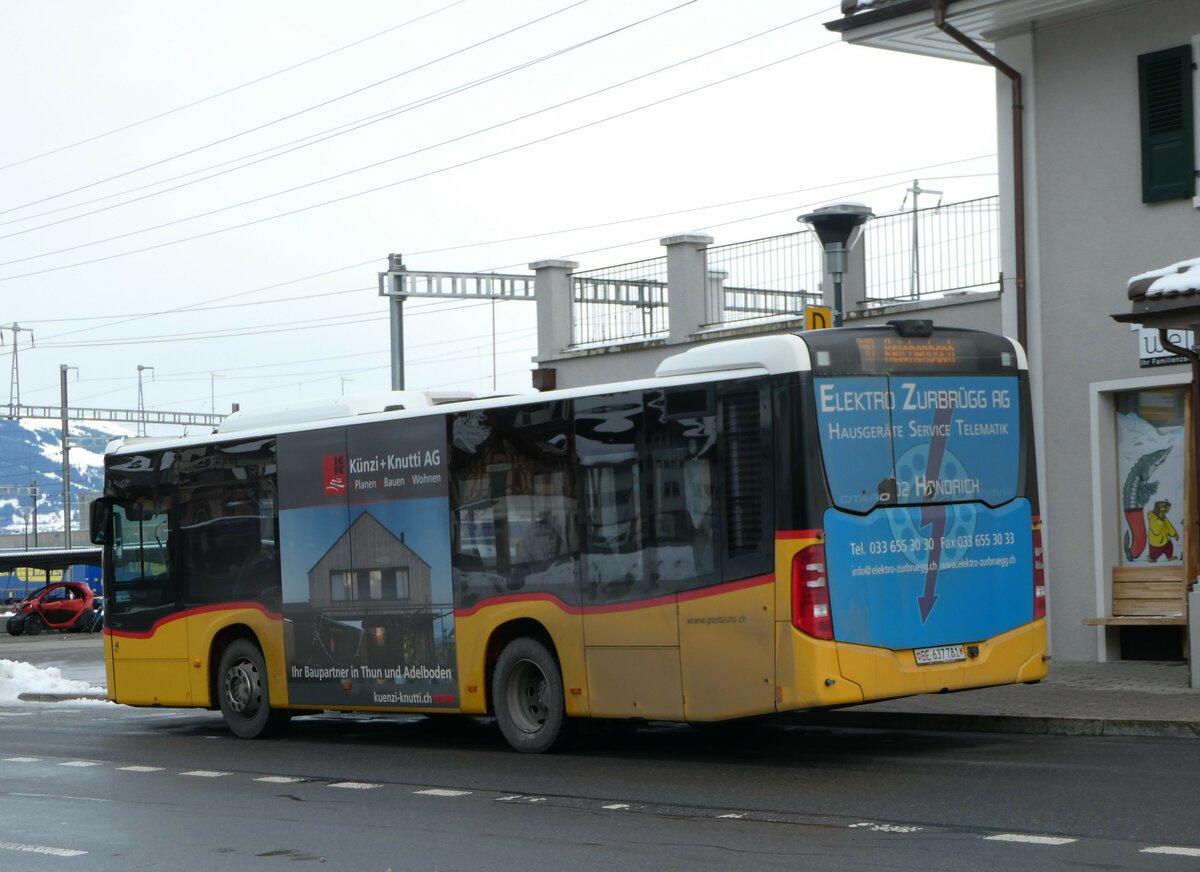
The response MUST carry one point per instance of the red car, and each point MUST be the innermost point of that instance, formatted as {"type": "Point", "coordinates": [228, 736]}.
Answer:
{"type": "Point", "coordinates": [64, 605]}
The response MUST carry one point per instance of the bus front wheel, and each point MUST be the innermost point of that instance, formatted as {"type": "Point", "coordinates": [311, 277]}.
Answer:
{"type": "Point", "coordinates": [244, 693]}
{"type": "Point", "coordinates": [527, 697]}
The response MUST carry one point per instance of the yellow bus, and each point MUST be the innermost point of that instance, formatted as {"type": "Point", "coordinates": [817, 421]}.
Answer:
{"type": "Point", "coordinates": [768, 524]}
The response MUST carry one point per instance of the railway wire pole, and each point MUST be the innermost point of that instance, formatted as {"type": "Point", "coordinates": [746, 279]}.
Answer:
{"type": "Point", "coordinates": [66, 452]}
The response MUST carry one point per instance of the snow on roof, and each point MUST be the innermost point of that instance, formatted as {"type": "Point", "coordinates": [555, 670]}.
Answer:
{"type": "Point", "coordinates": [1176, 280]}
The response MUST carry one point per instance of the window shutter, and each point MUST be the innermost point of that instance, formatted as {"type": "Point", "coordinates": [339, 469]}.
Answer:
{"type": "Point", "coordinates": [1168, 155]}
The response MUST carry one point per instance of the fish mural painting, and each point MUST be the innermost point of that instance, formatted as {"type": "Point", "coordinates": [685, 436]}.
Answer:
{"type": "Point", "coordinates": [1140, 486]}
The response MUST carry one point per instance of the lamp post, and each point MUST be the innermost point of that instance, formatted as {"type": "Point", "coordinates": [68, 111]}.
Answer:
{"type": "Point", "coordinates": [838, 227]}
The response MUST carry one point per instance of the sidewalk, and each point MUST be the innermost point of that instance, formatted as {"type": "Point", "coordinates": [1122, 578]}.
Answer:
{"type": "Point", "coordinates": [1123, 698]}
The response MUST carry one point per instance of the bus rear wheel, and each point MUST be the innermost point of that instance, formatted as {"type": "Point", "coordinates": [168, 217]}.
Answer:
{"type": "Point", "coordinates": [244, 693]}
{"type": "Point", "coordinates": [527, 697]}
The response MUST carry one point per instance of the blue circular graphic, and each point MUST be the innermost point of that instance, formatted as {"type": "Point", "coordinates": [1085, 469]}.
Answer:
{"type": "Point", "coordinates": [906, 524]}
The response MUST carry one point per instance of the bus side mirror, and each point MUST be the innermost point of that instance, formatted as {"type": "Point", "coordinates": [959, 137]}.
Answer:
{"type": "Point", "coordinates": [100, 521]}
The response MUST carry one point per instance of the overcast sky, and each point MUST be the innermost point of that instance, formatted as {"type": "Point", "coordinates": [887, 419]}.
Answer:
{"type": "Point", "coordinates": [466, 140]}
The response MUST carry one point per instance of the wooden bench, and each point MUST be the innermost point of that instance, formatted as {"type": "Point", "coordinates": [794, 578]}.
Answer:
{"type": "Point", "coordinates": [1147, 596]}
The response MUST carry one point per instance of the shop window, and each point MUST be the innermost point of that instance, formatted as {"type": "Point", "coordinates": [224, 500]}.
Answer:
{"type": "Point", "coordinates": [1151, 460]}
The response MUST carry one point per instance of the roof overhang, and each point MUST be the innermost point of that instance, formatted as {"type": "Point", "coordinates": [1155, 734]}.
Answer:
{"type": "Point", "coordinates": [907, 25]}
{"type": "Point", "coordinates": [48, 558]}
{"type": "Point", "coordinates": [1165, 298]}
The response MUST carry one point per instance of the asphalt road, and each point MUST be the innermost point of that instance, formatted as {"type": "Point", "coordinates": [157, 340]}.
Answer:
{"type": "Point", "coordinates": [155, 789]}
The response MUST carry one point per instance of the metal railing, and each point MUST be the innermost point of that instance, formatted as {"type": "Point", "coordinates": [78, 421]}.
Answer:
{"type": "Point", "coordinates": [909, 256]}
{"type": "Point", "coordinates": [620, 302]}
{"type": "Point", "coordinates": [763, 278]}
{"type": "Point", "coordinates": [926, 253]}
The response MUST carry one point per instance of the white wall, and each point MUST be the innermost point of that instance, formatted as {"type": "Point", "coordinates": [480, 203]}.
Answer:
{"type": "Point", "coordinates": [1092, 234]}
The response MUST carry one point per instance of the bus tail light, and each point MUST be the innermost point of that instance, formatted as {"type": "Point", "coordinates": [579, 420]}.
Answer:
{"type": "Point", "coordinates": [810, 593]}
{"type": "Point", "coordinates": [1039, 575]}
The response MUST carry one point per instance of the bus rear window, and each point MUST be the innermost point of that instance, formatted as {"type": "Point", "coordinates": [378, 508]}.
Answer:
{"type": "Point", "coordinates": [888, 440]}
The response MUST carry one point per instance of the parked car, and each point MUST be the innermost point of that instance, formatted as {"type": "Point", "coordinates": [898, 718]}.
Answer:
{"type": "Point", "coordinates": [66, 605]}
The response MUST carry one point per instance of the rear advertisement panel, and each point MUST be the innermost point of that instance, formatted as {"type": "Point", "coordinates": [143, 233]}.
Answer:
{"type": "Point", "coordinates": [927, 542]}
{"type": "Point", "coordinates": [365, 541]}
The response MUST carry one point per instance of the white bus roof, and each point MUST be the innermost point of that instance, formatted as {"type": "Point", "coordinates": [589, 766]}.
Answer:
{"type": "Point", "coordinates": [714, 361]}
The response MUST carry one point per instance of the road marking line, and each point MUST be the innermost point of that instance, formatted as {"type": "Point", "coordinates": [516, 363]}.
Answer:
{"type": "Point", "coordinates": [354, 785]}
{"type": "Point", "coordinates": [41, 849]}
{"type": "Point", "coordinates": [139, 769]}
{"type": "Point", "coordinates": [61, 796]}
{"type": "Point", "coordinates": [22, 759]}
{"type": "Point", "coordinates": [438, 791]}
{"type": "Point", "coordinates": [1167, 849]}
{"type": "Point", "coordinates": [205, 773]}
{"type": "Point", "coordinates": [279, 779]}
{"type": "Point", "coordinates": [80, 764]}
{"type": "Point", "coordinates": [1028, 840]}
{"type": "Point", "coordinates": [508, 798]}
{"type": "Point", "coordinates": [736, 817]}
{"type": "Point", "coordinates": [616, 806]}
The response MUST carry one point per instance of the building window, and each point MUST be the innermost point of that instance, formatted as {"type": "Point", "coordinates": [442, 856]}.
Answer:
{"type": "Point", "coordinates": [341, 586]}
{"type": "Point", "coordinates": [1165, 92]}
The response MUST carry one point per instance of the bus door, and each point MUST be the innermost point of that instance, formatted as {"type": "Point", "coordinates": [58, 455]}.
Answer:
{"type": "Point", "coordinates": [727, 596]}
{"type": "Point", "coordinates": [630, 625]}
{"type": "Point", "coordinates": [146, 636]}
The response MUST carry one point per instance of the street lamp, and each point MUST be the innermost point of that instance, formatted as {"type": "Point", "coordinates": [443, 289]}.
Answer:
{"type": "Point", "coordinates": [838, 226]}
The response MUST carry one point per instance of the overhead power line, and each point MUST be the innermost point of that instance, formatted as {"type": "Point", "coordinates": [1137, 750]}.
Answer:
{"type": "Point", "coordinates": [304, 111]}
{"type": "Point", "coordinates": [388, 185]}
{"type": "Point", "coordinates": [227, 91]}
{"type": "Point", "coordinates": [295, 145]}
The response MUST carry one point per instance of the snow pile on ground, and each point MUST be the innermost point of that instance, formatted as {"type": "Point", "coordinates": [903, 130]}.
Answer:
{"type": "Point", "coordinates": [17, 677]}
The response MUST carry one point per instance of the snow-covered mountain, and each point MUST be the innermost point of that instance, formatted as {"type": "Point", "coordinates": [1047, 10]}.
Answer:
{"type": "Point", "coordinates": [31, 451]}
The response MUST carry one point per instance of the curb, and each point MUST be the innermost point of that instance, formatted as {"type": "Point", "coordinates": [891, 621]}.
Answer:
{"type": "Point", "coordinates": [1034, 725]}
{"type": "Point", "coordinates": [60, 697]}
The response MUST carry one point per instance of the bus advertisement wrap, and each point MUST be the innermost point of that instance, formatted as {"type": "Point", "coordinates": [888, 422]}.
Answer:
{"type": "Point", "coordinates": [365, 536]}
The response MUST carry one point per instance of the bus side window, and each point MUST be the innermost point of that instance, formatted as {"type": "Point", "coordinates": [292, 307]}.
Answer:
{"type": "Point", "coordinates": [142, 577]}
{"type": "Point", "coordinates": [227, 520]}
{"type": "Point", "coordinates": [513, 516]}
{"type": "Point", "coordinates": [681, 440]}
{"type": "Point", "coordinates": [609, 444]}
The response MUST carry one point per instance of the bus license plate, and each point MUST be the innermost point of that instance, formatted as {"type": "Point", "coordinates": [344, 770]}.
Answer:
{"type": "Point", "coordinates": [941, 654]}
